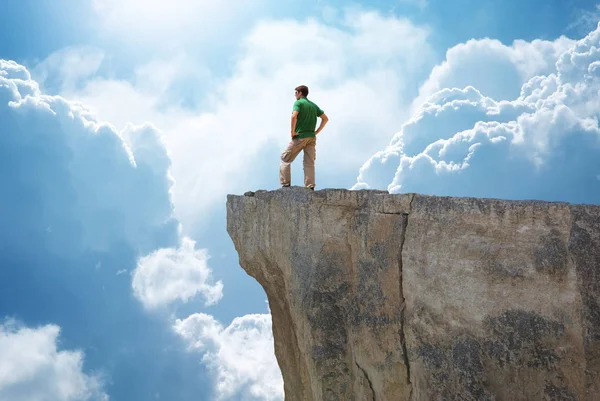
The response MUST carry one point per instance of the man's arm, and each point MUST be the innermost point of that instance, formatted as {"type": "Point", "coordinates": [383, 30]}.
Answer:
{"type": "Point", "coordinates": [324, 120]}
{"type": "Point", "coordinates": [294, 120]}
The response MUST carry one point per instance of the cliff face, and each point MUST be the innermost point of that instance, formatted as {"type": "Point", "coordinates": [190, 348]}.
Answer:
{"type": "Point", "coordinates": [409, 297]}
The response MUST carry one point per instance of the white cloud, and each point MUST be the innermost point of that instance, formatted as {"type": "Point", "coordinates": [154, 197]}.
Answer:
{"type": "Point", "coordinates": [544, 144]}
{"type": "Point", "coordinates": [241, 355]}
{"type": "Point", "coordinates": [79, 202]}
{"type": "Point", "coordinates": [32, 368]}
{"type": "Point", "coordinates": [69, 67]}
{"type": "Point", "coordinates": [496, 70]}
{"type": "Point", "coordinates": [95, 188]}
{"type": "Point", "coordinates": [171, 274]}
{"type": "Point", "coordinates": [585, 20]}
{"type": "Point", "coordinates": [358, 71]}
{"type": "Point", "coordinates": [160, 23]}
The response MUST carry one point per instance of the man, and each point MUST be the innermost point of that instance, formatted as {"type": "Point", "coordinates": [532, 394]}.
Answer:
{"type": "Point", "coordinates": [304, 138]}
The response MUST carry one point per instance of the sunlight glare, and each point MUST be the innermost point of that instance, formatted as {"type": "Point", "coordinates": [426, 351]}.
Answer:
{"type": "Point", "coordinates": [156, 15]}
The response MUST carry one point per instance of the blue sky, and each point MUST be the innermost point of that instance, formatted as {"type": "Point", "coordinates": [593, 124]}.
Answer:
{"type": "Point", "coordinates": [124, 125]}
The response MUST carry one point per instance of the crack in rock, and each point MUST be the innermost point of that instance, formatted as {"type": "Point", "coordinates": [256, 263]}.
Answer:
{"type": "Point", "coordinates": [403, 301]}
{"type": "Point", "coordinates": [374, 397]}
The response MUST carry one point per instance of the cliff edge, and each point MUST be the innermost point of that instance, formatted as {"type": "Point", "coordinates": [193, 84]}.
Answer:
{"type": "Point", "coordinates": [381, 297]}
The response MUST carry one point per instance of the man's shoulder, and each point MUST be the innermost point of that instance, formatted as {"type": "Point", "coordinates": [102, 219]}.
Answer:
{"type": "Point", "coordinates": [317, 108]}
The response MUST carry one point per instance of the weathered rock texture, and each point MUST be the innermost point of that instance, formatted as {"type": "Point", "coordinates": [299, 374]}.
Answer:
{"type": "Point", "coordinates": [409, 297]}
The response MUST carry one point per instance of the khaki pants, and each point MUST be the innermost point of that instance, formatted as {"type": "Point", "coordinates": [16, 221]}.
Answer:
{"type": "Point", "coordinates": [289, 155]}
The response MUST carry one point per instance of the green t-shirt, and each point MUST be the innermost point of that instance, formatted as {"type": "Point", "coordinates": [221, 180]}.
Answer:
{"type": "Point", "coordinates": [307, 117]}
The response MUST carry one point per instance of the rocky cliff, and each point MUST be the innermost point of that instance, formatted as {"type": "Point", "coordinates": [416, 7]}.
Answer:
{"type": "Point", "coordinates": [408, 297]}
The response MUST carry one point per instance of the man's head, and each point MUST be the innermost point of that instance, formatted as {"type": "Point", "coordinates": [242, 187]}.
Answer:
{"type": "Point", "coordinates": [301, 91]}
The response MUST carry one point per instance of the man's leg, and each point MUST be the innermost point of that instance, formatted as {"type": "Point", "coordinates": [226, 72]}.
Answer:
{"type": "Point", "coordinates": [287, 157]}
{"type": "Point", "coordinates": [310, 154]}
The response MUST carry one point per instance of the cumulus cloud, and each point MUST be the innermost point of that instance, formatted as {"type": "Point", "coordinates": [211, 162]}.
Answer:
{"type": "Point", "coordinates": [81, 202]}
{"type": "Point", "coordinates": [359, 72]}
{"type": "Point", "coordinates": [98, 186]}
{"type": "Point", "coordinates": [241, 355]}
{"type": "Point", "coordinates": [32, 368]}
{"type": "Point", "coordinates": [496, 70]}
{"type": "Point", "coordinates": [172, 274]}
{"type": "Point", "coordinates": [544, 144]}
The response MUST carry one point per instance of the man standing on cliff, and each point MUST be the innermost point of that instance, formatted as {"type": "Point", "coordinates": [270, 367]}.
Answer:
{"type": "Point", "coordinates": [304, 137]}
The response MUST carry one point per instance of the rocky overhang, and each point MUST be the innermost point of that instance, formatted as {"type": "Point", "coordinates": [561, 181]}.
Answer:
{"type": "Point", "coordinates": [378, 296]}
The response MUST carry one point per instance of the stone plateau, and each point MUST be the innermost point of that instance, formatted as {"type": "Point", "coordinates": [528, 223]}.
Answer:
{"type": "Point", "coordinates": [379, 297]}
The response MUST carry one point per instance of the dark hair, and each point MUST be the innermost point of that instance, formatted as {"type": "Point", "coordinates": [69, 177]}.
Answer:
{"type": "Point", "coordinates": [303, 89]}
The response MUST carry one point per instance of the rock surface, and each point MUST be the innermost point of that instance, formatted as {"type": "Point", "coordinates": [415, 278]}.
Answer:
{"type": "Point", "coordinates": [409, 297]}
